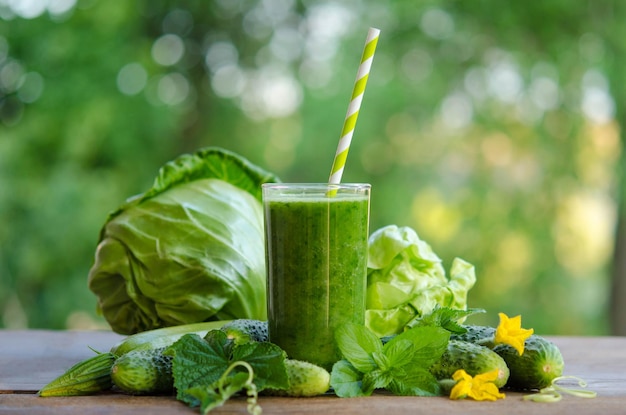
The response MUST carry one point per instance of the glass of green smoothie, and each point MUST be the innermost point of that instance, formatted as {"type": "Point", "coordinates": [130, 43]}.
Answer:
{"type": "Point", "coordinates": [316, 250]}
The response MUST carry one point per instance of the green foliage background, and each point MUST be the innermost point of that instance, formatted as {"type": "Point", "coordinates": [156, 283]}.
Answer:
{"type": "Point", "coordinates": [491, 129]}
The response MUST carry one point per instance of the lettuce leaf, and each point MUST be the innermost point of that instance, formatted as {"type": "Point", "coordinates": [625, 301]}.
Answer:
{"type": "Point", "coordinates": [189, 249]}
{"type": "Point", "coordinates": [406, 279]}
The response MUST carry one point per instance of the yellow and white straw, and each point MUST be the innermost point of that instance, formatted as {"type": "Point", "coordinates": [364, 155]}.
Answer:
{"type": "Point", "coordinates": [354, 106]}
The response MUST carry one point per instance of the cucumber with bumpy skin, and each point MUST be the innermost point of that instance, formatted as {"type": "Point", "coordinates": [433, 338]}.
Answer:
{"type": "Point", "coordinates": [305, 380]}
{"type": "Point", "coordinates": [246, 330]}
{"type": "Point", "coordinates": [536, 368]}
{"type": "Point", "coordinates": [143, 372]}
{"type": "Point", "coordinates": [483, 335]}
{"type": "Point", "coordinates": [472, 358]}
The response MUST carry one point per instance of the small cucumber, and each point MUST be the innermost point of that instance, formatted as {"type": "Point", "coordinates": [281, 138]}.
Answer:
{"type": "Point", "coordinates": [305, 380]}
{"type": "Point", "coordinates": [143, 372]}
{"type": "Point", "coordinates": [246, 330]}
{"type": "Point", "coordinates": [84, 378]}
{"type": "Point", "coordinates": [540, 363]}
{"type": "Point", "coordinates": [473, 358]}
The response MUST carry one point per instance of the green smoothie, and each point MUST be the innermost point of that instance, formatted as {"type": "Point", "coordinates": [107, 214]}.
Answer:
{"type": "Point", "coordinates": [316, 248]}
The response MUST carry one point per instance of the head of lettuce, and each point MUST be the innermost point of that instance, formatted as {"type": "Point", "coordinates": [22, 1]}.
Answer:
{"type": "Point", "coordinates": [189, 249]}
{"type": "Point", "coordinates": [406, 280]}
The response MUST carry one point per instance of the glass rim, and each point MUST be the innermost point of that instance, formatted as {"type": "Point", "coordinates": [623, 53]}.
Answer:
{"type": "Point", "coordinates": [327, 186]}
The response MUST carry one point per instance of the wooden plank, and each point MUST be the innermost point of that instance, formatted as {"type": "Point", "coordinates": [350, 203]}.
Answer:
{"type": "Point", "coordinates": [513, 404]}
{"type": "Point", "coordinates": [29, 359]}
{"type": "Point", "coordinates": [600, 361]}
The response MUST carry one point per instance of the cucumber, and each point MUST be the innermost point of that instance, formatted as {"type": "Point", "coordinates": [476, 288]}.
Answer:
{"type": "Point", "coordinates": [143, 372]}
{"type": "Point", "coordinates": [84, 378]}
{"type": "Point", "coordinates": [473, 358]}
{"type": "Point", "coordinates": [246, 330]}
{"type": "Point", "coordinates": [540, 363]}
{"type": "Point", "coordinates": [482, 335]}
{"type": "Point", "coordinates": [164, 337]}
{"type": "Point", "coordinates": [94, 374]}
{"type": "Point", "coordinates": [305, 380]}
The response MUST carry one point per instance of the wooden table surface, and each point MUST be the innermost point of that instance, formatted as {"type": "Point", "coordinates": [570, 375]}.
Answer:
{"type": "Point", "coordinates": [29, 359]}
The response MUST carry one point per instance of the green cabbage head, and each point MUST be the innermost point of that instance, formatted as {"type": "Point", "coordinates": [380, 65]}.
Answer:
{"type": "Point", "coordinates": [190, 249]}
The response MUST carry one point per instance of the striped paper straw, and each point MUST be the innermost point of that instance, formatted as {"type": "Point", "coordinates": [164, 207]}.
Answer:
{"type": "Point", "coordinates": [354, 106]}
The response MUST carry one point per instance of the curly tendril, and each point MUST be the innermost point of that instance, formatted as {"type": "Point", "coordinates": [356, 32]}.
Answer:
{"type": "Point", "coordinates": [253, 407]}
{"type": "Point", "coordinates": [554, 392]}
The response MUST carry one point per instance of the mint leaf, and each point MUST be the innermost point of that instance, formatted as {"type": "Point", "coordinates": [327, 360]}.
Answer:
{"type": "Point", "coordinates": [357, 344]}
{"type": "Point", "coordinates": [346, 380]}
{"type": "Point", "coordinates": [267, 361]}
{"type": "Point", "coordinates": [446, 317]}
{"type": "Point", "coordinates": [401, 365]}
{"type": "Point", "coordinates": [429, 344]}
{"type": "Point", "coordinates": [411, 355]}
{"type": "Point", "coordinates": [414, 381]}
{"type": "Point", "coordinates": [381, 360]}
{"type": "Point", "coordinates": [400, 353]}
{"type": "Point", "coordinates": [376, 379]}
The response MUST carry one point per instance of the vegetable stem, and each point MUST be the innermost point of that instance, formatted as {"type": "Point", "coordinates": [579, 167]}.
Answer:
{"type": "Point", "coordinates": [253, 407]}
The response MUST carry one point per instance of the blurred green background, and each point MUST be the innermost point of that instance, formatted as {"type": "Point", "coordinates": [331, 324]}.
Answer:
{"type": "Point", "coordinates": [490, 127]}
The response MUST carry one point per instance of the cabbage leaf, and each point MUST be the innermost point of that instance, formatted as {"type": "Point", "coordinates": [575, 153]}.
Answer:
{"type": "Point", "coordinates": [189, 249]}
{"type": "Point", "coordinates": [406, 280]}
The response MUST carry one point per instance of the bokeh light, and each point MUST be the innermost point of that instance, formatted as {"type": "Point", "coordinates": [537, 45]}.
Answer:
{"type": "Point", "coordinates": [168, 50]}
{"type": "Point", "coordinates": [132, 79]}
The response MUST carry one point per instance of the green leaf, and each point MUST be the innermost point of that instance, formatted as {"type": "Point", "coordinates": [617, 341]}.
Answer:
{"type": "Point", "coordinates": [357, 344]}
{"type": "Point", "coordinates": [400, 366]}
{"type": "Point", "coordinates": [414, 381]}
{"type": "Point", "coordinates": [267, 361]}
{"type": "Point", "coordinates": [389, 322]}
{"type": "Point", "coordinates": [384, 296]}
{"type": "Point", "coordinates": [219, 343]}
{"type": "Point", "coordinates": [381, 360]}
{"type": "Point", "coordinates": [399, 353]}
{"type": "Point", "coordinates": [197, 362]}
{"type": "Point", "coordinates": [445, 317]}
{"type": "Point", "coordinates": [206, 398]}
{"type": "Point", "coordinates": [346, 380]}
{"type": "Point", "coordinates": [376, 379]}
{"type": "Point", "coordinates": [429, 343]}
{"type": "Point", "coordinates": [216, 394]}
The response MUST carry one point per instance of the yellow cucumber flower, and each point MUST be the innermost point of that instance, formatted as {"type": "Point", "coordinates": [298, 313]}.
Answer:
{"type": "Point", "coordinates": [510, 332]}
{"type": "Point", "coordinates": [479, 387]}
